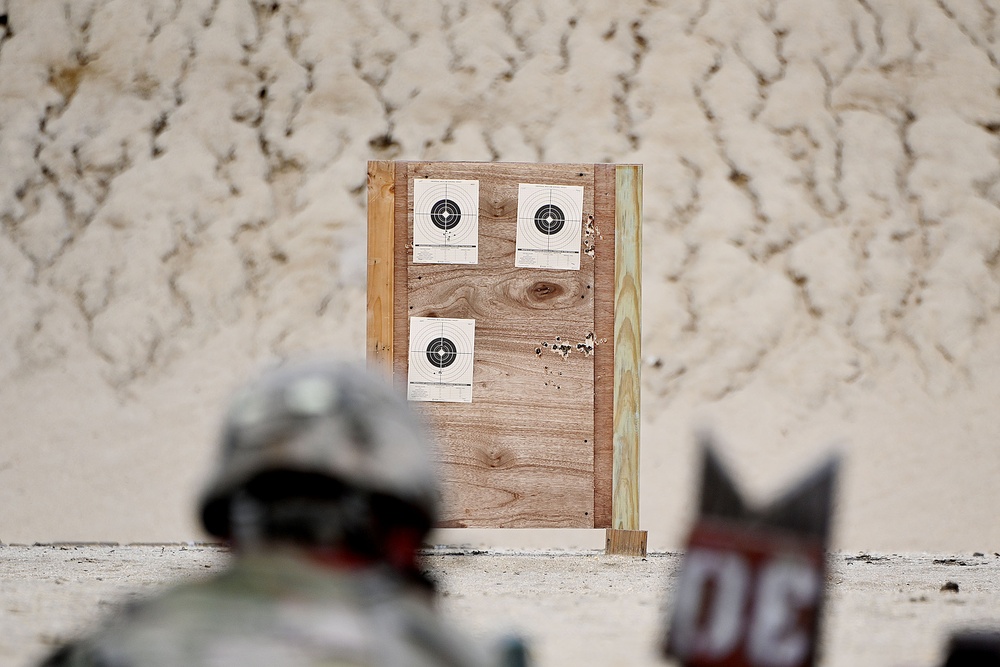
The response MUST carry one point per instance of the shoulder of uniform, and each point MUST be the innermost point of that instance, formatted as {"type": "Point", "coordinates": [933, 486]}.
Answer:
{"type": "Point", "coordinates": [80, 653]}
{"type": "Point", "coordinates": [61, 657]}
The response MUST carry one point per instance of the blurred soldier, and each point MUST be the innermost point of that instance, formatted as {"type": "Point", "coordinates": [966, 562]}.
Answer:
{"type": "Point", "coordinates": [974, 648]}
{"type": "Point", "coordinates": [326, 489]}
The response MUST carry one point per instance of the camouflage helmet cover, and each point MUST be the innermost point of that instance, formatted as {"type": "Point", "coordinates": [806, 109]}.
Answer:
{"type": "Point", "coordinates": [323, 417]}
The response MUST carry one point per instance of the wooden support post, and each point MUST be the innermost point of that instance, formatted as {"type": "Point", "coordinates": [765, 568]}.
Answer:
{"type": "Point", "coordinates": [624, 536]}
{"type": "Point", "coordinates": [625, 542]}
{"type": "Point", "coordinates": [381, 226]}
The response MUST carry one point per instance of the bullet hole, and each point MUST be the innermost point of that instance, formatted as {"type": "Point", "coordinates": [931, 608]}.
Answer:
{"type": "Point", "coordinates": [538, 351]}
{"type": "Point", "coordinates": [588, 241]}
{"type": "Point", "coordinates": [562, 349]}
{"type": "Point", "coordinates": [565, 348]}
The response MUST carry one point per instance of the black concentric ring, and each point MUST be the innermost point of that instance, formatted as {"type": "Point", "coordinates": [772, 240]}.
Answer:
{"type": "Point", "coordinates": [445, 214]}
{"type": "Point", "coordinates": [441, 352]}
{"type": "Point", "coordinates": [549, 219]}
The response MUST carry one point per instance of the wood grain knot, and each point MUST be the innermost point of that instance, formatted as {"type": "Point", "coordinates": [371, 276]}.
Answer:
{"type": "Point", "coordinates": [500, 208]}
{"type": "Point", "coordinates": [542, 291]}
{"type": "Point", "coordinates": [500, 459]}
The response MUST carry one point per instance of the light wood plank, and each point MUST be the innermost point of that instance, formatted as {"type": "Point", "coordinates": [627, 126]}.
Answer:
{"type": "Point", "coordinates": [628, 303]}
{"type": "Point", "coordinates": [381, 229]}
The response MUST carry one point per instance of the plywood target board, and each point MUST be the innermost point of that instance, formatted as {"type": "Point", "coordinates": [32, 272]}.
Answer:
{"type": "Point", "coordinates": [499, 301]}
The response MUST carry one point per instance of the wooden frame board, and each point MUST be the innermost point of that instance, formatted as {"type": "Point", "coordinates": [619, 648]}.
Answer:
{"type": "Point", "coordinates": [551, 437]}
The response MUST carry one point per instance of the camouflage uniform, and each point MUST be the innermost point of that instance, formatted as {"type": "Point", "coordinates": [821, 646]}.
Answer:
{"type": "Point", "coordinates": [277, 610]}
{"type": "Point", "coordinates": [319, 461]}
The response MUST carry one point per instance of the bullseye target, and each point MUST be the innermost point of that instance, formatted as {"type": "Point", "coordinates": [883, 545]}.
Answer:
{"type": "Point", "coordinates": [446, 214]}
{"type": "Point", "coordinates": [549, 221]}
{"type": "Point", "coordinates": [441, 359]}
{"type": "Point", "coordinates": [442, 352]}
{"type": "Point", "coordinates": [445, 221]}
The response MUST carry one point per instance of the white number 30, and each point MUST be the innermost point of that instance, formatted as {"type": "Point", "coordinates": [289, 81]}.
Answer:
{"type": "Point", "coordinates": [718, 606]}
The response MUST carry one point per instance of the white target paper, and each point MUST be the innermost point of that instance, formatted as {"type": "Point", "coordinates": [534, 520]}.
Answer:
{"type": "Point", "coordinates": [441, 354]}
{"type": "Point", "coordinates": [549, 220]}
{"type": "Point", "coordinates": [445, 221]}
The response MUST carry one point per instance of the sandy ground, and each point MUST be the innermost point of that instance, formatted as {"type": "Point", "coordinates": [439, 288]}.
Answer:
{"type": "Point", "coordinates": [575, 608]}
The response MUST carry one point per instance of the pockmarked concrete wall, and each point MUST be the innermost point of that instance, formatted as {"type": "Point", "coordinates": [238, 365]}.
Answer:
{"type": "Point", "coordinates": [182, 198]}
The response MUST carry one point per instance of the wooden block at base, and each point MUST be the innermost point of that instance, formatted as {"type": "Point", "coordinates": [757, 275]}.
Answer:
{"type": "Point", "coordinates": [625, 542]}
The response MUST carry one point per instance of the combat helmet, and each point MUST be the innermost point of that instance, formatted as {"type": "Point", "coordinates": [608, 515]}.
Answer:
{"type": "Point", "coordinates": [323, 448]}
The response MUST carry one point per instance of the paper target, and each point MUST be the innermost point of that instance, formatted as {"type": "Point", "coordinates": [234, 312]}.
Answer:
{"type": "Point", "coordinates": [445, 221]}
{"type": "Point", "coordinates": [549, 220]}
{"type": "Point", "coordinates": [441, 354]}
